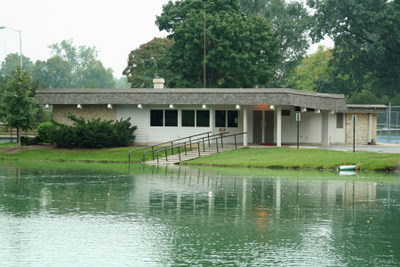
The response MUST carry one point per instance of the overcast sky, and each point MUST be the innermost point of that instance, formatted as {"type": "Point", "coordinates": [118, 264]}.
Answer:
{"type": "Point", "coordinates": [114, 27]}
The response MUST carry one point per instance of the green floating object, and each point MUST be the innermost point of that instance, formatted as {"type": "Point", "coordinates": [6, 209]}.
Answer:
{"type": "Point", "coordinates": [347, 168]}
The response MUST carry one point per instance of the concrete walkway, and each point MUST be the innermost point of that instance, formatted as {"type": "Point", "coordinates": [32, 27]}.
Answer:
{"type": "Point", "coordinates": [379, 148]}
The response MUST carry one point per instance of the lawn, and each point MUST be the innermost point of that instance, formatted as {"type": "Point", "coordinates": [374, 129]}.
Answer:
{"type": "Point", "coordinates": [282, 157]}
{"type": "Point", "coordinates": [50, 153]}
{"type": "Point", "coordinates": [285, 157]}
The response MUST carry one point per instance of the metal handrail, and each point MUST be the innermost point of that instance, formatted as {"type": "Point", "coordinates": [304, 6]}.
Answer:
{"type": "Point", "coordinates": [183, 144]}
{"type": "Point", "coordinates": [168, 142]}
{"type": "Point", "coordinates": [220, 136]}
{"type": "Point", "coordinates": [175, 147]}
{"type": "Point", "coordinates": [209, 138]}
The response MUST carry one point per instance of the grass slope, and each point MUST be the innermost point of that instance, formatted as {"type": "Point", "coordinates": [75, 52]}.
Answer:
{"type": "Point", "coordinates": [58, 154]}
{"type": "Point", "coordinates": [285, 157]}
{"type": "Point", "coordinates": [282, 157]}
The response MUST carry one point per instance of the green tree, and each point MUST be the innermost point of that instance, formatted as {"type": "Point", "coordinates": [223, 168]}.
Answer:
{"type": "Point", "coordinates": [241, 51]}
{"type": "Point", "coordinates": [122, 82]}
{"type": "Point", "coordinates": [364, 97]}
{"type": "Point", "coordinates": [145, 63]}
{"type": "Point", "coordinates": [291, 22]}
{"type": "Point", "coordinates": [367, 43]}
{"type": "Point", "coordinates": [94, 75]}
{"type": "Point", "coordinates": [53, 73]}
{"type": "Point", "coordinates": [17, 104]}
{"type": "Point", "coordinates": [73, 67]}
{"type": "Point", "coordinates": [253, 7]}
{"type": "Point", "coordinates": [79, 57]}
{"type": "Point", "coordinates": [310, 71]}
{"type": "Point", "coordinates": [12, 62]}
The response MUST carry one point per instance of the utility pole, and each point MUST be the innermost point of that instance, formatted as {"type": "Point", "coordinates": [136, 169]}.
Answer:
{"type": "Point", "coordinates": [204, 66]}
{"type": "Point", "coordinates": [20, 42]}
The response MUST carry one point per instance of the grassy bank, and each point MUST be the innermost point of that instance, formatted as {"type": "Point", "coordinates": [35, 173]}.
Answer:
{"type": "Point", "coordinates": [285, 157]}
{"type": "Point", "coordinates": [48, 153]}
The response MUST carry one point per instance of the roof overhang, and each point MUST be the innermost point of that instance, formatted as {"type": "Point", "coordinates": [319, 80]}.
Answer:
{"type": "Point", "coordinates": [366, 108]}
{"type": "Point", "coordinates": [194, 96]}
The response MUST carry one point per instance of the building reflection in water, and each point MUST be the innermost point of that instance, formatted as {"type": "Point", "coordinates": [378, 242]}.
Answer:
{"type": "Point", "coordinates": [176, 189]}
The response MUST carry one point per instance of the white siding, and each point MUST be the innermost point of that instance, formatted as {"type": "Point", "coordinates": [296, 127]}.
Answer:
{"type": "Point", "coordinates": [146, 134]}
{"type": "Point", "coordinates": [336, 135]}
{"type": "Point", "coordinates": [310, 127]}
{"type": "Point", "coordinates": [139, 117]}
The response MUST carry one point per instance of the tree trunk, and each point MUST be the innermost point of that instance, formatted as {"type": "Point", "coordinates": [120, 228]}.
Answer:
{"type": "Point", "coordinates": [19, 135]}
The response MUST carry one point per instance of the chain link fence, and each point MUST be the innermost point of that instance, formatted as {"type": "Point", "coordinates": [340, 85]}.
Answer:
{"type": "Point", "coordinates": [388, 125]}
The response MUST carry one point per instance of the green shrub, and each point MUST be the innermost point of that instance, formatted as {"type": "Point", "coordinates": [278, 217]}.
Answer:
{"type": "Point", "coordinates": [93, 133]}
{"type": "Point", "coordinates": [44, 131]}
{"type": "Point", "coordinates": [29, 141]}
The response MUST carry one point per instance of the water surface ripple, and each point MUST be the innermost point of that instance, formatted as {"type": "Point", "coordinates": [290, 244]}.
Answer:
{"type": "Point", "coordinates": [149, 216]}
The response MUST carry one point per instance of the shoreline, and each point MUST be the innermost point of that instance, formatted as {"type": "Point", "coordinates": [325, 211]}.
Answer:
{"type": "Point", "coordinates": [257, 158]}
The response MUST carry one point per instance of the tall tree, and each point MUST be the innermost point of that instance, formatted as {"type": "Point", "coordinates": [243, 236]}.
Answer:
{"type": "Point", "coordinates": [310, 71]}
{"type": "Point", "coordinates": [12, 62]}
{"type": "Point", "coordinates": [73, 67]}
{"type": "Point", "coordinates": [367, 42]}
{"type": "Point", "coordinates": [146, 62]}
{"type": "Point", "coordinates": [122, 82]}
{"type": "Point", "coordinates": [17, 103]}
{"type": "Point", "coordinates": [53, 73]}
{"type": "Point", "coordinates": [291, 23]}
{"type": "Point", "coordinates": [79, 57]}
{"type": "Point", "coordinates": [94, 75]}
{"type": "Point", "coordinates": [240, 51]}
{"type": "Point", "coordinates": [253, 7]}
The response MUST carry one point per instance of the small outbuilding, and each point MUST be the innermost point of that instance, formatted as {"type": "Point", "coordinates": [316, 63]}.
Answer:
{"type": "Point", "coordinates": [268, 115]}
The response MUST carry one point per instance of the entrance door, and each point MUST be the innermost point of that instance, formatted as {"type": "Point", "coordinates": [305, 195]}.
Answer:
{"type": "Point", "coordinates": [263, 126]}
{"type": "Point", "coordinates": [269, 127]}
{"type": "Point", "coordinates": [257, 126]}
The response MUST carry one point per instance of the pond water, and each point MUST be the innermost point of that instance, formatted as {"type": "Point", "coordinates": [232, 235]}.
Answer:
{"type": "Point", "coordinates": [93, 214]}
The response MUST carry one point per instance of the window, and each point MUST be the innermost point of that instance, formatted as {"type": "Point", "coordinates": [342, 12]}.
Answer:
{"type": "Point", "coordinates": [339, 120]}
{"type": "Point", "coordinates": [233, 118]}
{"type": "Point", "coordinates": [285, 112]}
{"type": "Point", "coordinates": [171, 118]}
{"type": "Point", "coordinates": [220, 116]}
{"type": "Point", "coordinates": [203, 118]}
{"type": "Point", "coordinates": [156, 117]}
{"type": "Point", "coordinates": [188, 118]}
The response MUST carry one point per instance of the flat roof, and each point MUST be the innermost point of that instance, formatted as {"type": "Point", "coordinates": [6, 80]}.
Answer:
{"type": "Point", "coordinates": [361, 108]}
{"type": "Point", "coordinates": [194, 96]}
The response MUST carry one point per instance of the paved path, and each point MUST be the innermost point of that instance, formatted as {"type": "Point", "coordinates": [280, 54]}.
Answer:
{"type": "Point", "coordinates": [379, 148]}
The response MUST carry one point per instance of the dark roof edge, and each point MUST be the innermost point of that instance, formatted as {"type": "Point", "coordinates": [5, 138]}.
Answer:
{"type": "Point", "coordinates": [361, 108]}
{"type": "Point", "coordinates": [188, 91]}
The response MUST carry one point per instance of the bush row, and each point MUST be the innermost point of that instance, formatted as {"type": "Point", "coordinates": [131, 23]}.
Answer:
{"type": "Point", "coordinates": [83, 133]}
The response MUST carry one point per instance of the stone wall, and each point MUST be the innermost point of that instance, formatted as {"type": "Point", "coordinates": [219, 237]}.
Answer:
{"type": "Point", "coordinates": [362, 128]}
{"type": "Point", "coordinates": [87, 112]}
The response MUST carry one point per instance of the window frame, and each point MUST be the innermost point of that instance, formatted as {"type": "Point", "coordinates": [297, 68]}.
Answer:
{"type": "Point", "coordinates": [218, 120]}
{"type": "Point", "coordinates": [235, 123]}
{"type": "Point", "coordinates": [194, 118]}
{"type": "Point", "coordinates": [151, 117]}
{"type": "Point", "coordinates": [341, 120]}
{"type": "Point", "coordinates": [174, 122]}
{"type": "Point", "coordinates": [197, 117]}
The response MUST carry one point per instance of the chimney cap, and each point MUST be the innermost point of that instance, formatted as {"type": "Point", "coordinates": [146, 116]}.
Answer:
{"type": "Point", "coordinates": [158, 82]}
